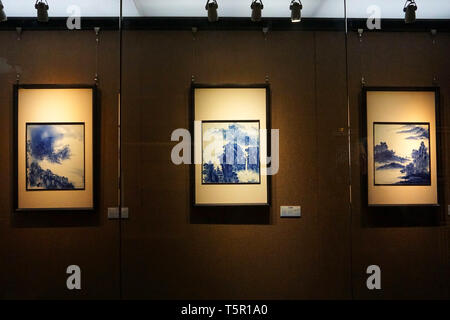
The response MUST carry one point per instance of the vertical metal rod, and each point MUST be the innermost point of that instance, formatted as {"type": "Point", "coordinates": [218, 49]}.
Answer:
{"type": "Point", "coordinates": [120, 151]}
{"type": "Point", "coordinates": [349, 148]}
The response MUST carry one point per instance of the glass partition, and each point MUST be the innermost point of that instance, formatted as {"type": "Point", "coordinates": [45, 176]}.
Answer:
{"type": "Point", "coordinates": [396, 59]}
{"type": "Point", "coordinates": [59, 149]}
{"type": "Point", "coordinates": [173, 248]}
{"type": "Point", "coordinates": [161, 150]}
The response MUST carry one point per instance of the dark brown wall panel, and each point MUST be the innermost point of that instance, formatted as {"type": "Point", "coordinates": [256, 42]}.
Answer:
{"type": "Point", "coordinates": [37, 248]}
{"type": "Point", "coordinates": [414, 260]}
{"type": "Point", "coordinates": [167, 252]}
{"type": "Point", "coordinates": [168, 255]}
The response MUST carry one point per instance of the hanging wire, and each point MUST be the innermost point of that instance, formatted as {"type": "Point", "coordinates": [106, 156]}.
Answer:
{"type": "Point", "coordinates": [434, 56]}
{"type": "Point", "coordinates": [194, 53]}
{"type": "Point", "coordinates": [17, 68]}
{"type": "Point", "coordinates": [266, 31]}
{"type": "Point", "coordinates": [97, 41]}
{"type": "Point", "coordinates": [362, 69]}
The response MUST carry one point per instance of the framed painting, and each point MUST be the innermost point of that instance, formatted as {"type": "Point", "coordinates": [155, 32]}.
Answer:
{"type": "Point", "coordinates": [230, 145]}
{"type": "Point", "coordinates": [55, 148]}
{"type": "Point", "coordinates": [402, 146]}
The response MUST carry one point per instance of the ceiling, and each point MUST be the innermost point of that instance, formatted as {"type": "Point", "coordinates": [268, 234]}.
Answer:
{"type": "Point", "coordinates": [427, 9]}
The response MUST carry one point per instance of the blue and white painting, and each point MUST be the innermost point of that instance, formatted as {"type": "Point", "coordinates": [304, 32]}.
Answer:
{"type": "Point", "coordinates": [55, 156]}
{"type": "Point", "coordinates": [402, 154]}
{"type": "Point", "coordinates": [231, 152]}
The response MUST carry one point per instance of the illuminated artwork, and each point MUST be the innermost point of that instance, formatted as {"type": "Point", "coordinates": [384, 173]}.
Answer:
{"type": "Point", "coordinates": [230, 152]}
{"type": "Point", "coordinates": [55, 148]}
{"type": "Point", "coordinates": [402, 154]}
{"type": "Point", "coordinates": [230, 125]}
{"type": "Point", "coordinates": [55, 156]}
{"type": "Point", "coordinates": [402, 146]}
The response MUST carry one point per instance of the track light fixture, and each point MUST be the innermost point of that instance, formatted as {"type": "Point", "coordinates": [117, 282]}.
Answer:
{"type": "Point", "coordinates": [257, 10]}
{"type": "Point", "coordinates": [410, 11]}
{"type": "Point", "coordinates": [211, 7]}
{"type": "Point", "coordinates": [42, 10]}
{"type": "Point", "coordinates": [296, 10]}
{"type": "Point", "coordinates": [2, 13]}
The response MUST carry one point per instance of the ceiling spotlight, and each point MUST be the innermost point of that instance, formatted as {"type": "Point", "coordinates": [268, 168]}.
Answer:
{"type": "Point", "coordinates": [211, 7]}
{"type": "Point", "coordinates": [256, 10]}
{"type": "Point", "coordinates": [410, 11]}
{"type": "Point", "coordinates": [42, 10]}
{"type": "Point", "coordinates": [2, 13]}
{"type": "Point", "coordinates": [296, 10]}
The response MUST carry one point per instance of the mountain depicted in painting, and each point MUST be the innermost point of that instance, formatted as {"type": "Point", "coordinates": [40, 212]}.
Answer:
{"type": "Point", "coordinates": [402, 154]}
{"type": "Point", "coordinates": [55, 156]}
{"type": "Point", "coordinates": [231, 152]}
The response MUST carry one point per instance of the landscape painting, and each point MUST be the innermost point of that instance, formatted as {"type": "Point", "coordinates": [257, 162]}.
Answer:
{"type": "Point", "coordinates": [230, 152]}
{"type": "Point", "coordinates": [55, 156]}
{"type": "Point", "coordinates": [402, 154]}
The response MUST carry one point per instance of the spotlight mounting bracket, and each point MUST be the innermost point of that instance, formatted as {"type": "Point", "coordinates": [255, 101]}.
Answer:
{"type": "Point", "coordinates": [41, 1]}
{"type": "Point", "coordinates": [296, 1]}
{"type": "Point", "coordinates": [265, 31]}
{"type": "Point", "coordinates": [433, 35]}
{"type": "Point", "coordinates": [194, 31]}
{"type": "Point", "coordinates": [410, 3]}
{"type": "Point", "coordinates": [19, 33]}
{"type": "Point", "coordinates": [435, 80]}
{"type": "Point", "coordinates": [360, 34]}
{"type": "Point", "coordinates": [214, 2]}
{"type": "Point", "coordinates": [257, 2]}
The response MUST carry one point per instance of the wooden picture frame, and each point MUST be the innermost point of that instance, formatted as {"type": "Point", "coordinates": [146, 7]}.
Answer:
{"type": "Point", "coordinates": [410, 101]}
{"type": "Point", "coordinates": [51, 106]}
{"type": "Point", "coordinates": [230, 91]}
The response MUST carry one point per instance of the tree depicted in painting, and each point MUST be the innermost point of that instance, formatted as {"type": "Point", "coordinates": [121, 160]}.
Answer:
{"type": "Point", "coordinates": [418, 171]}
{"type": "Point", "coordinates": [402, 155]}
{"type": "Point", "coordinates": [55, 156]}
{"type": "Point", "coordinates": [231, 153]}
